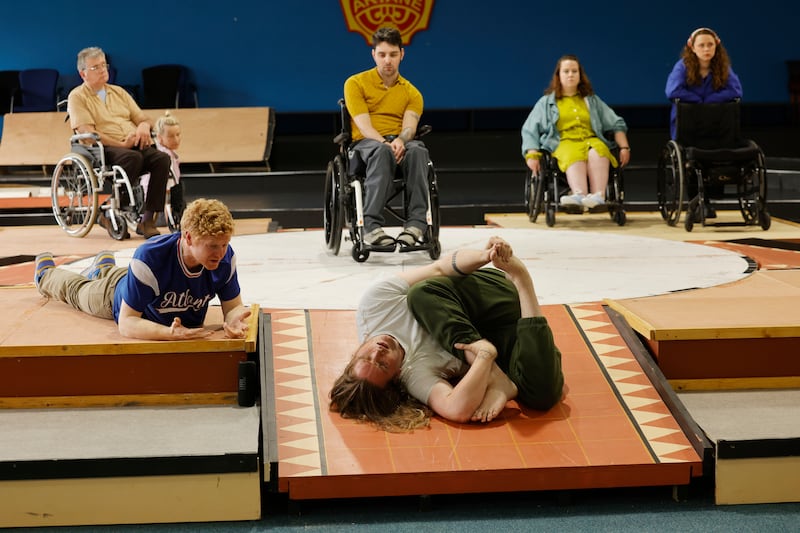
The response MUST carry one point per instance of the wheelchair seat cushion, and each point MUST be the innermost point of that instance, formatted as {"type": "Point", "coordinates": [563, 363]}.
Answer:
{"type": "Point", "coordinates": [744, 153]}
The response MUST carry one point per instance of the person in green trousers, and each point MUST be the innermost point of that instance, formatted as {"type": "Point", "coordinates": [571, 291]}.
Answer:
{"type": "Point", "coordinates": [453, 338]}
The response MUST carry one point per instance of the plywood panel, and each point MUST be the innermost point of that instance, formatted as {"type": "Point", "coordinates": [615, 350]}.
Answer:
{"type": "Point", "coordinates": [209, 135]}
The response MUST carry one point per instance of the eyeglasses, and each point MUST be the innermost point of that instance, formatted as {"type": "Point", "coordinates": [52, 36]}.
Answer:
{"type": "Point", "coordinates": [101, 67]}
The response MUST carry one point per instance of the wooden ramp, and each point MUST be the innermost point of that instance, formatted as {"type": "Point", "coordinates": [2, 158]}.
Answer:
{"type": "Point", "coordinates": [209, 135]}
{"type": "Point", "coordinates": [100, 429]}
{"type": "Point", "coordinates": [612, 429]}
{"type": "Point", "coordinates": [733, 353]}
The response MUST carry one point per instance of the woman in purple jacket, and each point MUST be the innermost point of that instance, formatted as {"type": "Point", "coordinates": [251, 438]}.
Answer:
{"type": "Point", "coordinates": [703, 75]}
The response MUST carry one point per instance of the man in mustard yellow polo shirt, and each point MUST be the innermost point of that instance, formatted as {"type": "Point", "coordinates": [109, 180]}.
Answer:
{"type": "Point", "coordinates": [108, 110]}
{"type": "Point", "coordinates": [385, 110]}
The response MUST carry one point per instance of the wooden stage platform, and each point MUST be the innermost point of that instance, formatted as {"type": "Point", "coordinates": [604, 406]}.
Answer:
{"type": "Point", "coordinates": [161, 423]}
{"type": "Point", "coordinates": [101, 429]}
{"type": "Point", "coordinates": [733, 354]}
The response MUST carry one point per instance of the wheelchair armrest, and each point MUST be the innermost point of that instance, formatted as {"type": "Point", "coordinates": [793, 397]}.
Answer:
{"type": "Point", "coordinates": [423, 130]}
{"type": "Point", "coordinates": [342, 138]}
{"type": "Point", "coordinates": [83, 136]}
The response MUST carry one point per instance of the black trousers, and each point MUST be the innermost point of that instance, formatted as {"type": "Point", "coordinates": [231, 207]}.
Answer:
{"type": "Point", "coordinates": [137, 162]}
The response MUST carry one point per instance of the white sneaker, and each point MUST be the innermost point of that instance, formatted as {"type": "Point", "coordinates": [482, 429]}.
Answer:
{"type": "Point", "coordinates": [593, 200]}
{"type": "Point", "coordinates": [572, 199]}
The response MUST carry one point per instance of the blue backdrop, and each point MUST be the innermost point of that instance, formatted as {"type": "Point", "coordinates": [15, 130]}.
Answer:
{"type": "Point", "coordinates": [294, 55]}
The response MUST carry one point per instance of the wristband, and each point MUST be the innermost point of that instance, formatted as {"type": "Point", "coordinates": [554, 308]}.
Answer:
{"type": "Point", "coordinates": [455, 267]}
{"type": "Point", "coordinates": [533, 155]}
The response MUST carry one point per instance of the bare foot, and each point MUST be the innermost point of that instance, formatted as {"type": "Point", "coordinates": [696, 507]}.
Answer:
{"type": "Point", "coordinates": [500, 390]}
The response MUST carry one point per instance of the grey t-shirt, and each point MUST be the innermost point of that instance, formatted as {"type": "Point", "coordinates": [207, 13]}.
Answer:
{"type": "Point", "coordinates": [383, 310]}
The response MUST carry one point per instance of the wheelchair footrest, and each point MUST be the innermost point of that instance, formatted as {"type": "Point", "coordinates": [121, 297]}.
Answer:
{"type": "Point", "coordinates": [572, 209]}
{"type": "Point", "coordinates": [418, 247]}
{"type": "Point", "coordinates": [598, 209]}
{"type": "Point", "coordinates": [380, 248]}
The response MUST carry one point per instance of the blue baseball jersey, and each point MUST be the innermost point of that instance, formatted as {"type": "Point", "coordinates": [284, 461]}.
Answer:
{"type": "Point", "coordinates": [160, 286]}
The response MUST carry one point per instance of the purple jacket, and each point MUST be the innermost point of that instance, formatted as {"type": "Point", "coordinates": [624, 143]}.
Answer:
{"type": "Point", "coordinates": [698, 94]}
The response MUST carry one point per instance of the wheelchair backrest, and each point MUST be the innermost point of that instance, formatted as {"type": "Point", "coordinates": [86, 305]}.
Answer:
{"type": "Point", "coordinates": [709, 126]}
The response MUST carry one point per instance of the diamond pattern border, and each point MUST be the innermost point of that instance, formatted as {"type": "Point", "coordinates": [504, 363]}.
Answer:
{"type": "Point", "coordinates": [642, 401]}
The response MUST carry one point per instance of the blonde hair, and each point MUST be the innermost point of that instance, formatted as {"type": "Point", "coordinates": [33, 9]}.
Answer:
{"type": "Point", "coordinates": [207, 218]}
{"type": "Point", "coordinates": [165, 120]}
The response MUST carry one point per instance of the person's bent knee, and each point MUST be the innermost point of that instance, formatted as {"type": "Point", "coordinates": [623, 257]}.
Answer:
{"type": "Point", "coordinates": [424, 294]}
{"type": "Point", "coordinates": [544, 397]}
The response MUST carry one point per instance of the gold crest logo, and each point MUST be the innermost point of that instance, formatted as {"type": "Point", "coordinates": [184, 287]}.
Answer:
{"type": "Point", "coordinates": [366, 16]}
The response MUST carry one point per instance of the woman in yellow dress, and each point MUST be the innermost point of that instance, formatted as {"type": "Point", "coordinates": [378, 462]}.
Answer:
{"type": "Point", "coordinates": [570, 121]}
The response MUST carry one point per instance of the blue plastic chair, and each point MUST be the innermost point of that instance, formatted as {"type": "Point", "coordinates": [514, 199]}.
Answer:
{"type": "Point", "coordinates": [38, 90]}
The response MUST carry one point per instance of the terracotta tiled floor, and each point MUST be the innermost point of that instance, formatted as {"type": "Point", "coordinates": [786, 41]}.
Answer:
{"type": "Point", "coordinates": [611, 428]}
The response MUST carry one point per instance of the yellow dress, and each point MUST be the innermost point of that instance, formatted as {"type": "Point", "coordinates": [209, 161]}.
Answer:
{"type": "Point", "coordinates": [576, 135]}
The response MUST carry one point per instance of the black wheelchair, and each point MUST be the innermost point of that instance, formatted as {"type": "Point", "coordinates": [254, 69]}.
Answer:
{"type": "Point", "coordinates": [83, 188]}
{"type": "Point", "coordinates": [543, 192]}
{"type": "Point", "coordinates": [344, 197]}
{"type": "Point", "coordinates": [710, 160]}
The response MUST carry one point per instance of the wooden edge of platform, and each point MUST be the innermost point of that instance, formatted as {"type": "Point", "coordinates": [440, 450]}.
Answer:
{"type": "Point", "coordinates": [724, 384]}
{"type": "Point", "coordinates": [269, 424]}
{"type": "Point", "coordinates": [246, 345]}
{"type": "Point", "coordinates": [119, 400]}
{"type": "Point", "coordinates": [637, 323]}
{"type": "Point", "coordinates": [720, 333]}
{"type": "Point", "coordinates": [252, 331]}
{"type": "Point", "coordinates": [693, 432]}
{"type": "Point", "coordinates": [651, 332]}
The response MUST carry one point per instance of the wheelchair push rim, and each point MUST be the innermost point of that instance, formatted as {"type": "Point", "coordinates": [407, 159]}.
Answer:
{"type": "Point", "coordinates": [74, 195]}
{"type": "Point", "coordinates": [670, 183]}
{"type": "Point", "coordinates": [333, 215]}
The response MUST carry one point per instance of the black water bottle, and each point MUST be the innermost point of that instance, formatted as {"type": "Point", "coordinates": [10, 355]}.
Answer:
{"type": "Point", "coordinates": [248, 383]}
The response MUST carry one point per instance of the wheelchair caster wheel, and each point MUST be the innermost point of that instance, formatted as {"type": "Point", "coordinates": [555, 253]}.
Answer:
{"type": "Point", "coordinates": [765, 220]}
{"type": "Point", "coordinates": [121, 233]}
{"type": "Point", "coordinates": [550, 216]}
{"type": "Point", "coordinates": [435, 250]}
{"type": "Point", "coordinates": [360, 255]}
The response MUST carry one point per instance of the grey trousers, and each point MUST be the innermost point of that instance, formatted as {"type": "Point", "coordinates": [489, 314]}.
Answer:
{"type": "Point", "coordinates": [94, 297]}
{"type": "Point", "coordinates": [376, 161]}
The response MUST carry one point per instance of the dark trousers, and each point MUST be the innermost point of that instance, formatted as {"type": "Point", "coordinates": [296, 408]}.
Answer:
{"type": "Point", "coordinates": [485, 304]}
{"type": "Point", "coordinates": [376, 161]}
{"type": "Point", "coordinates": [138, 162]}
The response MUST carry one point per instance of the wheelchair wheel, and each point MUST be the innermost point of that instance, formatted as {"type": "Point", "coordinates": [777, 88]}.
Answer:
{"type": "Point", "coordinates": [73, 191]}
{"type": "Point", "coordinates": [670, 183]}
{"type": "Point", "coordinates": [333, 211]}
{"type": "Point", "coordinates": [435, 247]}
{"type": "Point", "coordinates": [614, 197]}
{"type": "Point", "coordinates": [534, 192]}
{"type": "Point", "coordinates": [359, 254]}
{"type": "Point", "coordinates": [169, 217]}
{"type": "Point", "coordinates": [121, 232]}
{"type": "Point", "coordinates": [752, 193]}
{"type": "Point", "coordinates": [174, 207]}
{"type": "Point", "coordinates": [550, 215]}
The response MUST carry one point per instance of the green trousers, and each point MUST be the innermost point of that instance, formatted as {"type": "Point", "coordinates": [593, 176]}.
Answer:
{"type": "Point", "coordinates": [486, 305]}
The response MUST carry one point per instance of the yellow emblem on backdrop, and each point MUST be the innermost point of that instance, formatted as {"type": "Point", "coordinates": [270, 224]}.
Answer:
{"type": "Point", "coordinates": [366, 16]}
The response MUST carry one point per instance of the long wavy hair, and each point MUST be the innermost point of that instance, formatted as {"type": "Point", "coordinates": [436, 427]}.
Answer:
{"type": "Point", "coordinates": [584, 85]}
{"type": "Point", "coordinates": [390, 409]}
{"type": "Point", "coordinates": [720, 63]}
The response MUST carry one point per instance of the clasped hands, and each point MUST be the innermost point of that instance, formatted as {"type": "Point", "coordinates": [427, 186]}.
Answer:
{"type": "Point", "coordinates": [236, 329]}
